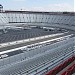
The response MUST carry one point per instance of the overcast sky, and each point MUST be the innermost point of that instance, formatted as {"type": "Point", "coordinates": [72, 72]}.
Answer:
{"type": "Point", "coordinates": [39, 5]}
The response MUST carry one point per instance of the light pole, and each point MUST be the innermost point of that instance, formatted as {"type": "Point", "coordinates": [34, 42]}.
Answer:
{"type": "Point", "coordinates": [1, 8]}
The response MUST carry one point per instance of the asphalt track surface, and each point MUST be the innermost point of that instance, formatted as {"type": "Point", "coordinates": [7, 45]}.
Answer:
{"type": "Point", "coordinates": [15, 35]}
{"type": "Point", "coordinates": [30, 42]}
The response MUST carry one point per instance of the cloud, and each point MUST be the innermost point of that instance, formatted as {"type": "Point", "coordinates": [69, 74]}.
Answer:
{"type": "Point", "coordinates": [19, 0]}
{"type": "Point", "coordinates": [53, 7]}
{"type": "Point", "coordinates": [62, 7]}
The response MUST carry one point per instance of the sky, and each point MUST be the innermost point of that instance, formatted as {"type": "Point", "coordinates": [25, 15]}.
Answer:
{"type": "Point", "coordinates": [39, 5]}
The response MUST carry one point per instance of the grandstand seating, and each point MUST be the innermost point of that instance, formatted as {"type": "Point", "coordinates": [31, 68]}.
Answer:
{"type": "Point", "coordinates": [61, 67]}
{"type": "Point", "coordinates": [62, 21]}
{"type": "Point", "coordinates": [29, 62]}
{"type": "Point", "coordinates": [42, 58]}
{"type": "Point", "coordinates": [18, 18]}
{"type": "Point", "coordinates": [3, 19]}
{"type": "Point", "coordinates": [32, 52]}
{"type": "Point", "coordinates": [26, 67]}
{"type": "Point", "coordinates": [70, 70]}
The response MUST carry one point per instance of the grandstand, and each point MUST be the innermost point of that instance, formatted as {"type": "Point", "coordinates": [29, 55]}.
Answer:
{"type": "Point", "coordinates": [37, 43]}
